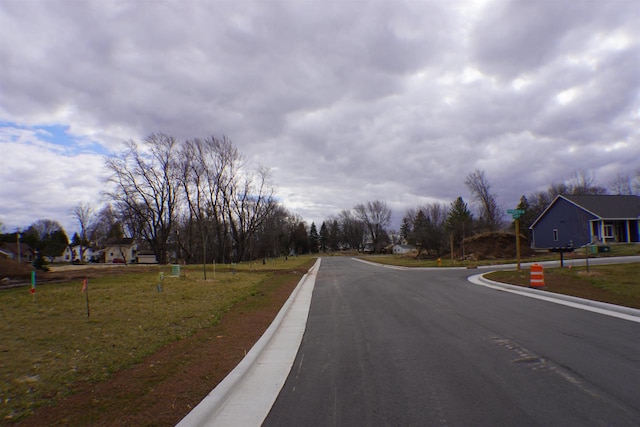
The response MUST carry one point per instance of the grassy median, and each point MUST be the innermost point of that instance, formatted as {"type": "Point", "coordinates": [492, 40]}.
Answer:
{"type": "Point", "coordinates": [616, 284]}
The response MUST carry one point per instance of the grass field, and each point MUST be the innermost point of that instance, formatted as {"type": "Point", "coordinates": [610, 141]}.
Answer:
{"type": "Point", "coordinates": [48, 343]}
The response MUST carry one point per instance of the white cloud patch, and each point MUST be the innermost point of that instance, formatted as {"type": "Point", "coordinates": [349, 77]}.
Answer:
{"type": "Point", "coordinates": [43, 180]}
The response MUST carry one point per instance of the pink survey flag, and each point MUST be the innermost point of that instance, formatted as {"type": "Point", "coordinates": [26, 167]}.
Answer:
{"type": "Point", "coordinates": [84, 285]}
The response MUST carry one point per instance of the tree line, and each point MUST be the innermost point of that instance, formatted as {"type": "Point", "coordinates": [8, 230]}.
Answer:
{"type": "Point", "coordinates": [196, 200]}
{"type": "Point", "coordinates": [199, 201]}
{"type": "Point", "coordinates": [437, 227]}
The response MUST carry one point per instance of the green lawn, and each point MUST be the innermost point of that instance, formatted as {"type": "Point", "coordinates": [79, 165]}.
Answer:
{"type": "Point", "coordinates": [48, 343]}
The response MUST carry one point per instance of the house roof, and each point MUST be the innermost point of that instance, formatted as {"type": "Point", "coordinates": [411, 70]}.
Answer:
{"type": "Point", "coordinates": [601, 206]}
{"type": "Point", "coordinates": [608, 207]}
{"type": "Point", "coordinates": [114, 241]}
{"type": "Point", "coordinates": [13, 247]}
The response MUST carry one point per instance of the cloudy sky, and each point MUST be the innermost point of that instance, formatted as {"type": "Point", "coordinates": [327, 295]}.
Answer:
{"type": "Point", "coordinates": [346, 101]}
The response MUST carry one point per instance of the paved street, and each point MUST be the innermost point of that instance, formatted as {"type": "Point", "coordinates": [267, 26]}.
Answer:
{"type": "Point", "coordinates": [426, 347]}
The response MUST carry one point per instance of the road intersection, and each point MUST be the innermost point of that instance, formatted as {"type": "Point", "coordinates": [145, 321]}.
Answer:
{"type": "Point", "coordinates": [381, 345]}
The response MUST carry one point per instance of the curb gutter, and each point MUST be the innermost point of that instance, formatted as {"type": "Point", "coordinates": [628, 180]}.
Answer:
{"type": "Point", "coordinates": [613, 310]}
{"type": "Point", "coordinates": [245, 396]}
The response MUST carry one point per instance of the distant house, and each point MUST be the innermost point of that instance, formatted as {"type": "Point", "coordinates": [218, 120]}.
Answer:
{"type": "Point", "coordinates": [23, 252]}
{"type": "Point", "coordinates": [72, 253]}
{"type": "Point", "coordinates": [403, 249]}
{"type": "Point", "coordinates": [124, 250]}
{"type": "Point", "coordinates": [588, 219]}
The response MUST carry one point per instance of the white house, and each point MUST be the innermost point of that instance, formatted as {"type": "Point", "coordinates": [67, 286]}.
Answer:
{"type": "Point", "coordinates": [124, 251]}
{"type": "Point", "coordinates": [403, 249]}
{"type": "Point", "coordinates": [72, 253]}
{"type": "Point", "coordinates": [67, 256]}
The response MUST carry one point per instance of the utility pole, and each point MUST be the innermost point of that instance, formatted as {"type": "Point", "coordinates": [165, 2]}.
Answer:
{"type": "Point", "coordinates": [516, 214]}
{"type": "Point", "coordinates": [18, 243]}
{"type": "Point", "coordinates": [518, 242]}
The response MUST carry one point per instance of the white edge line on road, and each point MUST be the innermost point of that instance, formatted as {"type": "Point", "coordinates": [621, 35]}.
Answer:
{"type": "Point", "coordinates": [625, 313]}
{"type": "Point", "coordinates": [246, 395]}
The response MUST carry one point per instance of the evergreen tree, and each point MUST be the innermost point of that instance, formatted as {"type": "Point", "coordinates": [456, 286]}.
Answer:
{"type": "Point", "coordinates": [47, 237]}
{"type": "Point", "coordinates": [40, 262]}
{"type": "Point", "coordinates": [31, 238]}
{"type": "Point", "coordinates": [459, 221]}
{"type": "Point", "coordinates": [324, 237]}
{"type": "Point", "coordinates": [334, 235]}
{"type": "Point", "coordinates": [55, 244]}
{"type": "Point", "coordinates": [76, 240]}
{"type": "Point", "coordinates": [528, 217]}
{"type": "Point", "coordinates": [405, 229]}
{"type": "Point", "coordinates": [420, 234]}
{"type": "Point", "coordinates": [115, 232]}
{"type": "Point", "coordinates": [300, 239]}
{"type": "Point", "coordinates": [314, 239]}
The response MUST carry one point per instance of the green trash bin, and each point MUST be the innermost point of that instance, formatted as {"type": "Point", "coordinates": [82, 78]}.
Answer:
{"type": "Point", "coordinates": [175, 270]}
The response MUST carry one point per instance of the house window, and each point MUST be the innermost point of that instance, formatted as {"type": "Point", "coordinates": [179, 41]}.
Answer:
{"type": "Point", "coordinates": [555, 234]}
{"type": "Point", "coordinates": [608, 230]}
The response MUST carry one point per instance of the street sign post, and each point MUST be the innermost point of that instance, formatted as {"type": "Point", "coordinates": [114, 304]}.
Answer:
{"type": "Point", "coordinates": [516, 214]}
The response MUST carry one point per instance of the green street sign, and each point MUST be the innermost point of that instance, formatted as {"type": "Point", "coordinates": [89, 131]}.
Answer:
{"type": "Point", "coordinates": [516, 211]}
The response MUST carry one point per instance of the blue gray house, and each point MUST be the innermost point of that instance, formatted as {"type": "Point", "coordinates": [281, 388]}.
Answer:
{"type": "Point", "coordinates": [589, 219]}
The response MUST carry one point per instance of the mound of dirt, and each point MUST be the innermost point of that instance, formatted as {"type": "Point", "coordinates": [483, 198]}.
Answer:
{"type": "Point", "coordinates": [15, 272]}
{"type": "Point", "coordinates": [494, 245]}
{"type": "Point", "coordinates": [13, 269]}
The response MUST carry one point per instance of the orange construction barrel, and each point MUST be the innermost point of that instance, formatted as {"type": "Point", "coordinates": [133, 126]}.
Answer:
{"type": "Point", "coordinates": [537, 276]}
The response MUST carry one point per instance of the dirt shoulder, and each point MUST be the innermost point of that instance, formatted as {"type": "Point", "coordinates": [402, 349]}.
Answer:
{"type": "Point", "coordinates": [168, 384]}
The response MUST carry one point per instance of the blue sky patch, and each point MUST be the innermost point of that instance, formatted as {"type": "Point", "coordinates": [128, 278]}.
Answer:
{"type": "Point", "coordinates": [59, 135]}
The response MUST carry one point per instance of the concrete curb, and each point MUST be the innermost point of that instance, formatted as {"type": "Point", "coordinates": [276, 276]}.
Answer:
{"type": "Point", "coordinates": [613, 310]}
{"type": "Point", "coordinates": [246, 395]}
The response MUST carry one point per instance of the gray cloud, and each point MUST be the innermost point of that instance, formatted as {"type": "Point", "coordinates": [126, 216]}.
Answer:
{"type": "Point", "coordinates": [346, 101]}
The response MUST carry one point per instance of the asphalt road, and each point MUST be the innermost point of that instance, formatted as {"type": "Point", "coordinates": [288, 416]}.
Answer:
{"type": "Point", "coordinates": [426, 347]}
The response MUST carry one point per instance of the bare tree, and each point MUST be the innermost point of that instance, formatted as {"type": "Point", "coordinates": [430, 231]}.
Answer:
{"type": "Point", "coordinates": [583, 182]}
{"type": "Point", "coordinates": [376, 217]}
{"type": "Point", "coordinates": [273, 236]}
{"type": "Point", "coordinates": [45, 227]}
{"type": "Point", "coordinates": [249, 203]}
{"type": "Point", "coordinates": [105, 225]}
{"type": "Point", "coordinates": [146, 186]}
{"type": "Point", "coordinates": [622, 185]}
{"type": "Point", "coordinates": [437, 214]}
{"type": "Point", "coordinates": [352, 230]}
{"type": "Point", "coordinates": [227, 203]}
{"type": "Point", "coordinates": [192, 173]}
{"type": "Point", "coordinates": [221, 165]}
{"type": "Point", "coordinates": [491, 212]}
{"type": "Point", "coordinates": [83, 212]}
